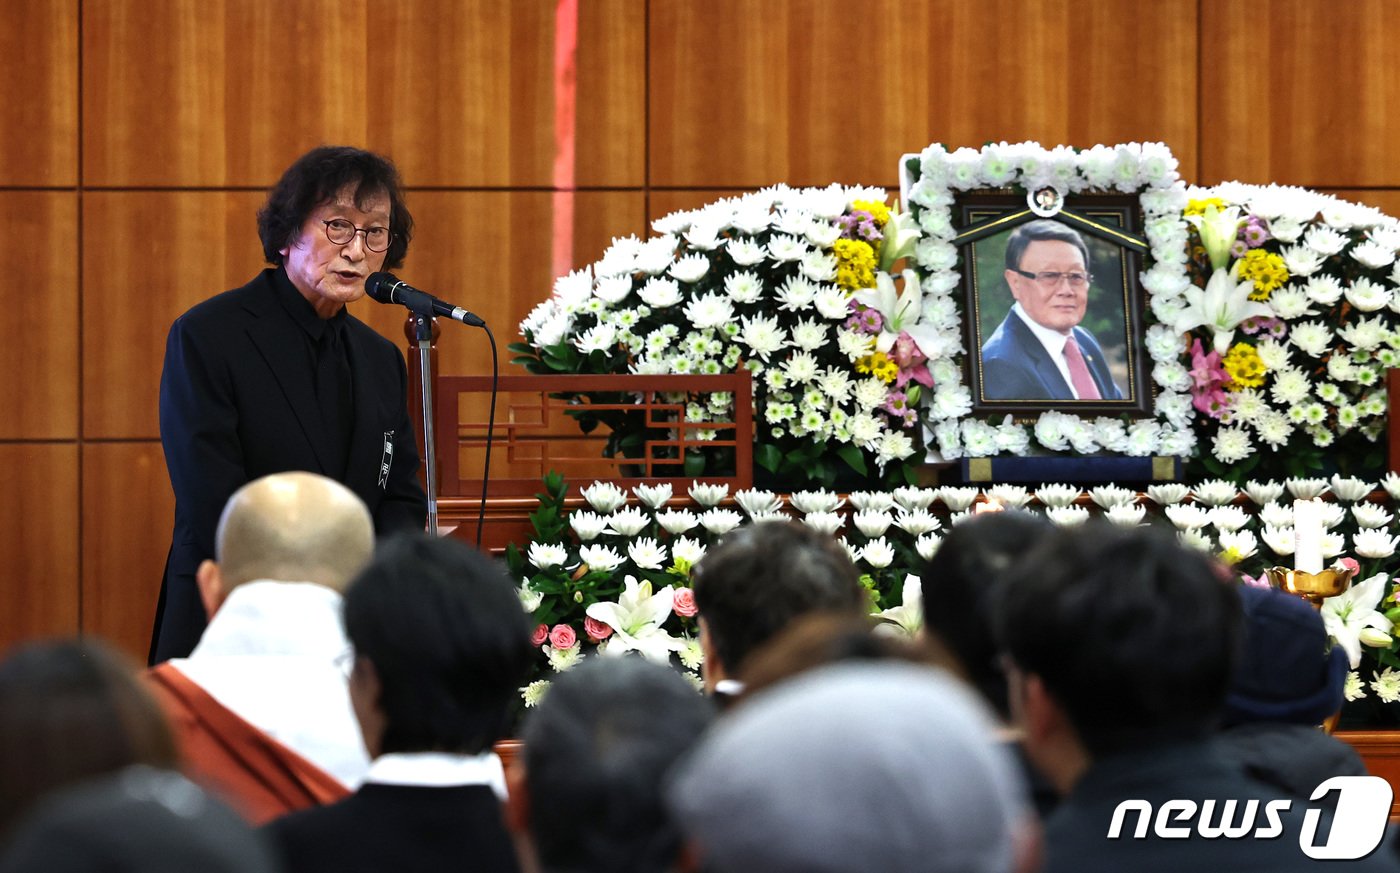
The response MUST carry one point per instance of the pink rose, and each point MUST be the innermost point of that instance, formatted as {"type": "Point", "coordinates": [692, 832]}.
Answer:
{"type": "Point", "coordinates": [597, 631]}
{"type": "Point", "coordinates": [684, 602]}
{"type": "Point", "coordinates": [540, 635]}
{"type": "Point", "coordinates": [562, 637]}
{"type": "Point", "coordinates": [1350, 564]}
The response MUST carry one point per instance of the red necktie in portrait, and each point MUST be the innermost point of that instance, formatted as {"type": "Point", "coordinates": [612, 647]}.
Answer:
{"type": "Point", "coordinates": [1079, 372]}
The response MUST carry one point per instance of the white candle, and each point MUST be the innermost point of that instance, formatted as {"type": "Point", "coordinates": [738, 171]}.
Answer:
{"type": "Point", "coordinates": [1307, 536]}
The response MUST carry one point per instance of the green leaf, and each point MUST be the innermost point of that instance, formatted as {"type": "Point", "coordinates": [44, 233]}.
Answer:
{"type": "Point", "coordinates": [768, 456]}
{"type": "Point", "coordinates": [854, 458]}
{"type": "Point", "coordinates": [525, 348]}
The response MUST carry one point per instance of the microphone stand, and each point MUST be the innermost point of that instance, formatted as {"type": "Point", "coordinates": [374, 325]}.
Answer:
{"type": "Point", "coordinates": [423, 326]}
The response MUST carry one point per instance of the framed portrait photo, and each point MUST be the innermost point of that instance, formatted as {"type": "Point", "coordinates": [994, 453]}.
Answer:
{"type": "Point", "coordinates": [1054, 311]}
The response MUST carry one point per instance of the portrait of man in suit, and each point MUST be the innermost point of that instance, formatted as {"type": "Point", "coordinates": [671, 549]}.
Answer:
{"type": "Point", "coordinates": [1040, 351]}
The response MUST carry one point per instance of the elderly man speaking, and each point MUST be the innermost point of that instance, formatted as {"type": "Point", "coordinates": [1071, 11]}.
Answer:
{"type": "Point", "coordinates": [1039, 351]}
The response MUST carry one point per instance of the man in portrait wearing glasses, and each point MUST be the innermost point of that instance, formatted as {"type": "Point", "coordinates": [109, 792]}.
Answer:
{"type": "Point", "coordinates": [277, 375]}
{"type": "Point", "coordinates": [1039, 351]}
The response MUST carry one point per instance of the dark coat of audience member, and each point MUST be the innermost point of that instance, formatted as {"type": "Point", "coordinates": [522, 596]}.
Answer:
{"type": "Point", "coordinates": [1286, 684]}
{"type": "Point", "coordinates": [961, 584]}
{"type": "Point", "coordinates": [137, 820]}
{"type": "Point", "coordinates": [71, 710]}
{"type": "Point", "coordinates": [586, 794]}
{"type": "Point", "coordinates": [441, 647]}
{"type": "Point", "coordinates": [1122, 646]}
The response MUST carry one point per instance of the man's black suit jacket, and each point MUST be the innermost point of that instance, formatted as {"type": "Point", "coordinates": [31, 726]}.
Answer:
{"type": "Point", "coordinates": [400, 828]}
{"type": "Point", "coordinates": [238, 401]}
{"type": "Point", "coordinates": [1016, 366]}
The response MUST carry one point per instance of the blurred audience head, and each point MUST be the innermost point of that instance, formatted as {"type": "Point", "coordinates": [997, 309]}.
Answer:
{"type": "Point", "coordinates": [71, 710]}
{"type": "Point", "coordinates": [824, 638]}
{"type": "Point", "coordinates": [441, 646]}
{"type": "Point", "coordinates": [288, 527]}
{"type": "Point", "coordinates": [138, 820]}
{"type": "Point", "coordinates": [597, 750]}
{"type": "Point", "coordinates": [1285, 673]}
{"type": "Point", "coordinates": [960, 588]}
{"type": "Point", "coordinates": [854, 767]}
{"type": "Point", "coordinates": [761, 577]}
{"type": "Point", "coordinates": [1118, 640]}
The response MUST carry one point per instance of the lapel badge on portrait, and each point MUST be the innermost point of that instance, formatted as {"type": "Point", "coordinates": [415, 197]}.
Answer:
{"type": "Point", "coordinates": [387, 460]}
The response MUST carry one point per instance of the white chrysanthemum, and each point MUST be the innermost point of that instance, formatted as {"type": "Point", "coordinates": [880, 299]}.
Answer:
{"type": "Point", "coordinates": [647, 553]}
{"type": "Point", "coordinates": [1057, 495]}
{"type": "Point", "coordinates": [604, 496]}
{"type": "Point", "coordinates": [894, 445]}
{"type": "Point", "coordinates": [1373, 543]}
{"type": "Point", "coordinates": [871, 501]}
{"type": "Point", "coordinates": [957, 498]}
{"type": "Point", "coordinates": [533, 693]}
{"type": "Point", "coordinates": [1332, 514]}
{"type": "Point", "coordinates": [819, 266]}
{"type": "Point", "coordinates": [870, 393]}
{"type": "Point", "coordinates": [796, 294]}
{"type": "Point", "coordinates": [979, 438]}
{"type": "Point", "coordinates": [1306, 489]}
{"type": "Point", "coordinates": [1370, 515]}
{"type": "Point", "coordinates": [743, 287]}
{"type": "Point", "coordinates": [927, 546]}
{"type": "Point", "coordinates": [1324, 289]}
{"type": "Point", "coordinates": [603, 558]}
{"type": "Point", "coordinates": [1272, 353]}
{"type": "Point", "coordinates": [1168, 494]}
{"type": "Point", "coordinates": [1367, 296]}
{"type": "Point", "coordinates": [917, 522]}
{"type": "Point", "coordinates": [720, 521]}
{"type": "Point", "coordinates": [628, 522]}
{"type": "Point", "coordinates": [809, 335]}
{"type": "Point", "coordinates": [815, 501]}
{"type": "Point", "coordinates": [676, 521]}
{"type": "Point", "coordinates": [654, 496]}
{"type": "Point", "coordinates": [872, 523]}
{"type": "Point", "coordinates": [656, 255]}
{"type": "Point", "coordinates": [762, 335]}
{"type": "Point", "coordinates": [1067, 516]}
{"type": "Point", "coordinates": [1187, 516]}
{"type": "Point", "coordinates": [1276, 514]}
{"type": "Point", "coordinates": [1163, 343]}
{"type": "Point", "coordinates": [1010, 496]}
{"type": "Point", "coordinates": [687, 549]}
{"type": "Point", "coordinates": [754, 501]}
{"type": "Point", "coordinates": [709, 310]}
{"type": "Point", "coordinates": [1324, 240]}
{"type": "Point", "coordinates": [910, 497]}
{"type": "Point", "coordinates": [1195, 539]}
{"type": "Point", "coordinates": [1301, 260]}
{"type": "Point", "coordinates": [878, 553]}
{"type": "Point", "coordinates": [832, 302]}
{"type": "Point", "coordinates": [1125, 515]}
{"type": "Point", "coordinates": [1386, 684]}
{"type": "Point", "coordinates": [1231, 445]}
{"type": "Point", "coordinates": [660, 293]}
{"type": "Point", "coordinates": [1109, 496]}
{"type": "Point", "coordinates": [822, 233]}
{"type": "Point", "coordinates": [1334, 543]}
{"type": "Point", "coordinates": [613, 289]}
{"type": "Point", "coordinates": [1350, 488]}
{"type": "Point", "coordinates": [786, 249]}
{"type": "Point", "coordinates": [1228, 517]}
{"type": "Point", "coordinates": [801, 368]}
{"type": "Point", "coordinates": [1365, 333]}
{"type": "Point", "coordinates": [1286, 230]}
{"type": "Point", "coordinates": [951, 401]}
{"type": "Point", "coordinates": [1263, 493]}
{"type": "Point", "coordinates": [746, 252]}
{"type": "Point", "coordinates": [1372, 256]}
{"type": "Point", "coordinates": [1291, 385]}
{"type": "Point", "coordinates": [865, 430]}
{"type": "Point", "coordinates": [545, 555]}
{"type": "Point", "coordinates": [1239, 544]}
{"type": "Point", "coordinates": [1290, 303]}
{"type": "Point", "coordinates": [598, 338]}
{"type": "Point", "coordinates": [1312, 337]}
{"type": "Point", "coordinates": [691, 268]}
{"type": "Point", "coordinates": [826, 522]}
{"type": "Point", "coordinates": [1353, 688]}
{"type": "Point", "coordinates": [708, 493]}
{"type": "Point", "coordinates": [1279, 539]}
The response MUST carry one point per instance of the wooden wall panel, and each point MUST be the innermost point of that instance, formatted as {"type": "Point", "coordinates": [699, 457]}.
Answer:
{"type": "Point", "coordinates": [38, 541]}
{"type": "Point", "coordinates": [1387, 200]}
{"type": "Point", "coordinates": [39, 115]}
{"type": "Point", "coordinates": [752, 92]}
{"type": "Point", "coordinates": [128, 510]}
{"type": "Point", "coordinates": [217, 92]}
{"type": "Point", "coordinates": [147, 257]}
{"type": "Point", "coordinates": [1304, 95]}
{"type": "Point", "coordinates": [39, 318]}
{"type": "Point", "coordinates": [462, 94]}
{"type": "Point", "coordinates": [489, 251]}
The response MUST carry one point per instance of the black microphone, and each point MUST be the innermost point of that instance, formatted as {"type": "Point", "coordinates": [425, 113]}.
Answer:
{"type": "Point", "coordinates": [388, 288]}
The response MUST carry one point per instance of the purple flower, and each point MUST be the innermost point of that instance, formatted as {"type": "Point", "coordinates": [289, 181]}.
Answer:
{"type": "Point", "coordinates": [1254, 232]}
{"type": "Point", "coordinates": [1238, 249]}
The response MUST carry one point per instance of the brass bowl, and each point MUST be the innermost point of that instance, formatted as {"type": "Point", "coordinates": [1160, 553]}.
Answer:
{"type": "Point", "coordinates": [1312, 587]}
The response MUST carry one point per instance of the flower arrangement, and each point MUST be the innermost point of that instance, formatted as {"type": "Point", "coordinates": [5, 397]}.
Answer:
{"type": "Point", "coordinates": [614, 577]}
{"type": "Point", "coordinates": [793, 285]}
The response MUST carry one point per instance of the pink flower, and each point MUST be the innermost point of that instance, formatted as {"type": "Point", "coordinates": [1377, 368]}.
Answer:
{"type": "Point", "coordinates": [912, 362]}
{"type": "Point", "coordinates": [540, 635]}
{"type": "Point", "coordinates": [1252, 582]}
{"type": "Point", "coordinates": [1350, 564]}
{"type": "Point", "coordinates": [562, 637]}
{"type": "Point", "coordinates": [1208, 381]}
{"type": "Point", "coordinates": [596, 630]}
{"type": "Point", "coordinates": [683, 602]}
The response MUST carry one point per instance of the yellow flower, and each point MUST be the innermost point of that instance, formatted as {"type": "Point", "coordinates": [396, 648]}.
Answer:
{"type": "Point", "coordinates": [855, 264]}
{"type": "Point", "coordinates": [1265, 269]}
{"type": "Point", "coordinates": [1245, 367]}
{"type": "Point", "coordinates": [879, 212]}
{"type": "Point", "coordinates": [1198, 207]}
{"type": "Point", "coordinates": [1230, 556]}
{"type": "Point", "coordinates": [879, 365]}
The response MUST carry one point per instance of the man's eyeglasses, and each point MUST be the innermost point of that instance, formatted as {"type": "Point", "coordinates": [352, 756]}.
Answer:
{"type": "Point", "coordinates": [340, 232]}
{"type": "Point", "coordinates": [1049, 279]}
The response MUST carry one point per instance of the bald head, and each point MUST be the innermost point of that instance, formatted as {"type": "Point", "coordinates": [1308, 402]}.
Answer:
{"type": "Point", "coordinates": [294, 527]}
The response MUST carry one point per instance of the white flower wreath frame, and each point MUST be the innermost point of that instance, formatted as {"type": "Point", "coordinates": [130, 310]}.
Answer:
{"type": "Point", "coordinates": [929, 184]}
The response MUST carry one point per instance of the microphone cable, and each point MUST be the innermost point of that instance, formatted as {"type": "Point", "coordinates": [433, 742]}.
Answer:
{"type": "Point", "coordinates": [490, 431]}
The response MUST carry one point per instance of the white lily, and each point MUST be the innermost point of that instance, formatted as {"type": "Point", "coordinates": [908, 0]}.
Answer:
{"type": "Point", "coordinates": [1349, 613]}
{"type": "Point", "coordinates": [1218, 228]}
{"type": "Point", "coordinates": [901, 312]}
{"type": "Point", "coordinates": [637, 617]}
{"type": "Point", "coordinates": [901, 233]}
{"type": "Point", "coordinates": [1220, 306]}
{"type": "Point", "coordinates": [909, 615]}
